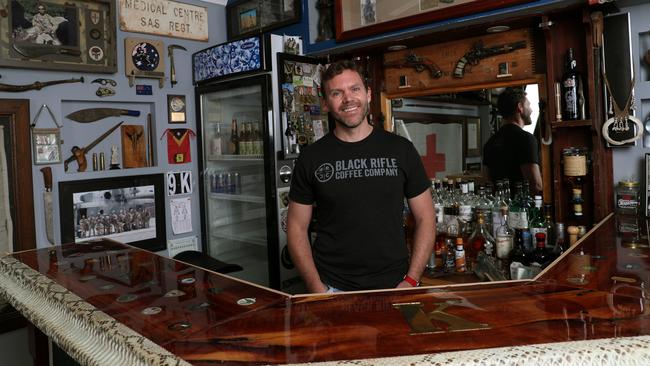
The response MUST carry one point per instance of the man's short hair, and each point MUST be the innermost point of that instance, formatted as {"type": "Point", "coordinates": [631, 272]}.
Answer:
{"type": "Point", "coordinates": [338, 67]}
{"type": "Point", "coordinates": [508, 101]}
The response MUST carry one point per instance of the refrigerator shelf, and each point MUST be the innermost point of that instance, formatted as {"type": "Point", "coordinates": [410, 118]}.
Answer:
{"type": "Point", "coordinates": [241, 233]}
{"type": "Point", "coordinates": [259, 158]}
{"type": "Point", "coordinates": [237, 197]}
{"type": "Point", "coordinates": [243, 217]}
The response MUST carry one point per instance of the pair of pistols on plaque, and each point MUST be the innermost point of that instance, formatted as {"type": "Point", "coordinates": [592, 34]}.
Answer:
{"type": "Point", "coordinates": [471, 57]}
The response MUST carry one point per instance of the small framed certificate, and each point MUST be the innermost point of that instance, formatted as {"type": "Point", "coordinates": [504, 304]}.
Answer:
{"type": "Point", "coordinates": [176, 108]}
{"type": "Point", "coordinates": [47, 147]}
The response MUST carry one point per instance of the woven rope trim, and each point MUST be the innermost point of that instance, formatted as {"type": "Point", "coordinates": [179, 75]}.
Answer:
{"type": "Point", "coordinates": [87, 334]}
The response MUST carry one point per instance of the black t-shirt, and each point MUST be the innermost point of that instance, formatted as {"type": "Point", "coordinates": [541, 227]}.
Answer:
{"type": "Point", "coordinates": [359, 190]}
{"type": "Point", "coordinates": [507, 150]}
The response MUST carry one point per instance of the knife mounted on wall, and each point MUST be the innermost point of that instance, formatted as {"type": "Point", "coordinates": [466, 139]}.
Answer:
{"type": "Point", "coordinates": [95, 114]}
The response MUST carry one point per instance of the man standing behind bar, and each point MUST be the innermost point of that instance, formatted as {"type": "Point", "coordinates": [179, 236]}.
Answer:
{"type": "Point", "coordinates": [358, 176]}
{"type": "Point", "coordinates": [512, 152]}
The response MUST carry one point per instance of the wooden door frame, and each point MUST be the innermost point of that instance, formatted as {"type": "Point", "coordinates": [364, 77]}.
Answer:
{"type": "Point", "coordinates": [20, 184]}
{"type": "Point", "coordinates": [21, 173]}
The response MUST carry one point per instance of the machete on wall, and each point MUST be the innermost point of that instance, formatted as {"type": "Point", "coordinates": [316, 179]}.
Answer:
{"type": "Point", "coordinates": [144, 60]}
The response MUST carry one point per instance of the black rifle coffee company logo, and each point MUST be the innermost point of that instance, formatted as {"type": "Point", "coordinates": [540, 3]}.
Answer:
{"type": "Point", "coordinates": [324, 172]}
{"type": "Point", "coordinates": [357, 168]}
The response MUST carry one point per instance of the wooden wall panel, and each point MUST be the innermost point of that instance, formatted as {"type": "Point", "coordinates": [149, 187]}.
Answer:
{"type": "Point", "coordinates": [446, 56]}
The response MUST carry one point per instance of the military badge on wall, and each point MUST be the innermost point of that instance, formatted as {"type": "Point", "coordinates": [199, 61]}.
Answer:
{"type": "Point", "coordinates": [144, 59]}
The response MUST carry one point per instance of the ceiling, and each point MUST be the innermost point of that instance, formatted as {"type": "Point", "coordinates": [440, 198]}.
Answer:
{"type": "Point", "coordinates": [218, 2]}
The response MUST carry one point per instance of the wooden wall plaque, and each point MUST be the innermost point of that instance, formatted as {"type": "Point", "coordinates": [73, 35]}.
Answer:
{"type": "Point", "coordinates": [516, 64]}
{"type": "Point", "coordinates": [133, 146]}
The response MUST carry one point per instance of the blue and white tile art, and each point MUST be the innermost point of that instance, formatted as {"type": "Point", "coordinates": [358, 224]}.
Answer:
{"type": "Point", "coordinates": [227, 59]}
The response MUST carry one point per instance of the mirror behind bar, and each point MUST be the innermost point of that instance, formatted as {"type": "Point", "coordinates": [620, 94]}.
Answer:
{"type": "Point", "coordinates": [437, 123]}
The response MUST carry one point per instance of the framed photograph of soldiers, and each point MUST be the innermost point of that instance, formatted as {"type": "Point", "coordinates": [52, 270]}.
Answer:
{"type": "Point", "coordinates": [248, 17]}
{"type": "Point", "coordinates": [70, 35]}
{"type": "Point", "coordinates": [363, 18]}
{"type": "Point", "coordinates": [128, 209]}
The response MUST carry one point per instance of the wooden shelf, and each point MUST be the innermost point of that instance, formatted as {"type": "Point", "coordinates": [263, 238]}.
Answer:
{"type": "Point", "coordinates": [565, 124]}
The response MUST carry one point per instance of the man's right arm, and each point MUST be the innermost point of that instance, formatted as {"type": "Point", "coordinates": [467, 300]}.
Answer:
{"type": "Point", "coordinates": [532, 174]}
{"type": "Point", "coordinates": [298, 219]}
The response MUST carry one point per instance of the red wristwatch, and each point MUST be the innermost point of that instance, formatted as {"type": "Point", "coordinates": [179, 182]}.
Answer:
{"type": "Point", "coordinates": [411, 281]}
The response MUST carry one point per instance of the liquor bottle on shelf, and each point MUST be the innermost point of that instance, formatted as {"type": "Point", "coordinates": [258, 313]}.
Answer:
{"type": "Point", "coordinates": [484, 206]}
{"type": "Point", "coordinates": [519, 253]}
{"type": "Point", "coordinates": [439, 247]}
{"type": "Point", "coordinates": [518, 209]}
{"type": "Point", "coordinates": [570, 108]}
{"type": "Point", "coordinates": [540, 255]}
{"type": "Point", "coordinates": [519, 213]}
{"type": "Point", "coordinates": [250, 138]}
{"type": "Point", "coordinates": [479, 241]}
{"type": "Point", "coordinates": [551, 235]}
{"type": "Point", "coordinates": [497, 205]}
{"type": "Point", "coordinates": [258, 145]}
{"type": "Point", "coordinates": [537, 224]}
{"type": "Point", "coordinates": [465, 210]}
{"type": "Point", "coordinates": [460, 256]}
{"type": "Point", "coordinates": [507, 195]}
{"type": "Point", "coordinates": [243, 140]}
{"type": "Point", "coordinates": [450, 257]}
{"type": "Point", "coordinates": [576, 197]}
{"type": "Point", "coordinates": [528, 198]}
{"type": "Point", "coordinates": [234, 138]}
{"type": "Point", "coordinates": [250, 145]}
{"type": "Point", "coordinates": [561, 244]}
{"type": "Point", "coordinates": [437, 197]}
{"type": "Point", "coordinates": [215, 142]}
{"type": "Point", "coordinates": [504, 237]}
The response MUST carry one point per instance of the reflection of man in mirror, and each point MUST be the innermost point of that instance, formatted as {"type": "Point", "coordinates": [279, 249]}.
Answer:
{"type": "Point", "coordinates": [512, 152]}
{"type": "Point", "coordinates": [325, 22]}
{"type": "Point", "coordinates": [44, 26]}
{"type": "Point", "coordinates": [368, 12]}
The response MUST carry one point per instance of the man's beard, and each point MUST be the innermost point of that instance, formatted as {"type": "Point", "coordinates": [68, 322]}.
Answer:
{"type": "Point", "coordinates": [352, 123]}
{"type": "Point", "coordinates": [527, 120]}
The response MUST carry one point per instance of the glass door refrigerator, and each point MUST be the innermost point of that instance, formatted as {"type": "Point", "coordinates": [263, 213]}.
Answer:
{"type": "Point", "coordinates": [244, 167]}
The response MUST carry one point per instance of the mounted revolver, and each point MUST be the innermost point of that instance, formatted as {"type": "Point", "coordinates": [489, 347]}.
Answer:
{"type": "Point", "coordinates": [418, 63]}
{"type": "Point", "coordinates": [479, 52]}
{"type": "Point", "coordinates": [79, 153]}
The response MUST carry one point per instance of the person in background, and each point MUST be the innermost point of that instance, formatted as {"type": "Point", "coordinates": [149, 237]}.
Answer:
{"type": "Point", "coordinates": [513, 152]}
{"type": "Point", "coordinates": [358, 177]}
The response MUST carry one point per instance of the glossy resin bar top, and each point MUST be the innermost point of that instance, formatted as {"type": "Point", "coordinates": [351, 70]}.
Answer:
{"type": "Point", "coordinates": [124, 303]}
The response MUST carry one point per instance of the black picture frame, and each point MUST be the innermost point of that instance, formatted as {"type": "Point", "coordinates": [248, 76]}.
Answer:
{"type": "Point", "coordinates": [249, 17]}
{"type": "Point", "coordinates": [83, 38]}
{"type": "Point", "coordinates": [129, 195]}
{"type": "Point", "coordinates": [176, 109]}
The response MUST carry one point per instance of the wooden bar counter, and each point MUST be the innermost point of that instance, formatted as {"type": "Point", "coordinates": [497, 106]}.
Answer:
{"type": "Point", "coordinates": [106, 303]}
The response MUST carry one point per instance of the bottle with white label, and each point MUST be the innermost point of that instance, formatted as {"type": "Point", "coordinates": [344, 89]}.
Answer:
{"type": "Point", "coordinates": [215, 142]}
